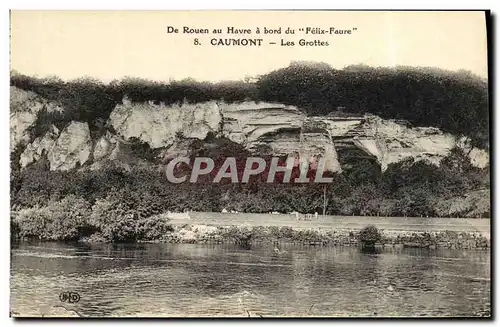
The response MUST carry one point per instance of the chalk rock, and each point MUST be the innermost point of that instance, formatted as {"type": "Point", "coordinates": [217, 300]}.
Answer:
{"type": "Point", "coordinates": [72, 148]}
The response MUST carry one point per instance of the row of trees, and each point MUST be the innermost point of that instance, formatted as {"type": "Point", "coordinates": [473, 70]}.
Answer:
{"type": "Point", "coordinates": [456, 102]}
{"type": "Point", "coordinates": [404, 189]}
{"type": "Point", "coordinates": [72, 218]}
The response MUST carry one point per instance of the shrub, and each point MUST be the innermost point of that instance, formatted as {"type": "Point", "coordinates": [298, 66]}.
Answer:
{"type": "Point", "coordinates": [114, 220]}
{"type": "Point", "coordinates": [242, 235]}
{"type": "Point", "coordinates": [153, 228]}
{"type": "Point", "coordinates": [70, 218]}
{"type": "Point", "coordinates": [274, 231]}
{"type": "Point", "coordinates": [63, 220]}
{"type": "Point", "coordinates": [307, 236]}
{"type": "Point", "coordinates": [286, 232]}
{"type": "Point", "coordinates": [369, 235]}
{"type": "Point", "coordinates": [34, 223]}
{"type": "Point", "coordinates": [143, 150]}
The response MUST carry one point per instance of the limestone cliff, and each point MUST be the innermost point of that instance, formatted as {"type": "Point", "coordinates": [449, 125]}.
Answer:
{"type": "Point", "coordinates": [35, 150]}
{"type": "Point", "coordinates": [246, 122]}
{"type": "Point", "coordinates": [24, 109]}
{"type": "Point", "coordinates": [72, 148]}
{"type": "Point", "coordinates": [158, 125]}
{"type": "Point", "coordinates": [66, 150]}
{"type": "Point", "coordinates": [259, 127]}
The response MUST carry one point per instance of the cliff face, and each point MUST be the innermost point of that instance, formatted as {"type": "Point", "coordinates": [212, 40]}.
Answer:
{"type": "Point", "coordinates": [245, 123]}
{"type": "Point", "coordinates": [392, 141]}
{"type": "Point", "coordinates": [277, 129]}
{"type": "Point", "coordinates": [66, 150]}
{"type": "Point", "coordinates": [24, 109]}
{"type": "Point", "coordinates": [259, 127]}
{"type": "Point", "coordinates": [158, 125]}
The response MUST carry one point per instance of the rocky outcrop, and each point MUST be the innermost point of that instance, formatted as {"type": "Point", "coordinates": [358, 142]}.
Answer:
{"type": "Point", "coordinates": [391, 142]}
{"type": "Point", "coordinates": [268, 128]}
{"type": "Point", "coordinates": [158, 125]}
{"type": "Point", "coordinates": [106, 147]}
{"type": "Point", "coordinates": [72, 149]}
{"type": "Point", "coordinates": [303, 143]}
{"type": "Point", "coordinates": [280, 129]}
{"type": "Point", "coordinates": [277, 127]}
{"type": "Point", "coordinates": [66, 150]}
{"type": "Point", "coordinates": [246, 122]}
{"type": "Point", "coordinates": [39, 147]}
{"type": "Point", "coordinates": [24, 108]}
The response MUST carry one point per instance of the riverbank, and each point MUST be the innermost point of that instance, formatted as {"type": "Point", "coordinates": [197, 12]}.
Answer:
{"type": "Point", "coordinates": [335, 222]}
{"type": "Point", "coordinates": [247, 235]}
{"type": "Point", "coordinates": [112, 226]}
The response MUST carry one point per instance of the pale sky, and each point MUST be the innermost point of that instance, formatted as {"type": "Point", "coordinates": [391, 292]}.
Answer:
{"type": "Point", "coordinates": [113, 44]}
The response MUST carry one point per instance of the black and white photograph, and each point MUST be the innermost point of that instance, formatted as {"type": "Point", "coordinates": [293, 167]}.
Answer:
{"type": "Point", "coordinates": [250, 164]}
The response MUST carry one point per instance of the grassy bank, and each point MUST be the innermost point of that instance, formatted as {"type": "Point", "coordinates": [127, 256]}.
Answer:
{"type": "Point", "coordinates": [75, 220]}
{"type": "Point", "coordinates": [246, 236]}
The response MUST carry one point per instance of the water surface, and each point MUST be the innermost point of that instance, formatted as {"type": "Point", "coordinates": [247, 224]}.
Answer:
{"type": "Point", "coordinates": [225, 280]}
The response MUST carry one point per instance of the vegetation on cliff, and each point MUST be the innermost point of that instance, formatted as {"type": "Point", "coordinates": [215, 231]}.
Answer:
{"type": "Point", "coordinates": [456, 102]}
{"type": "Point", "coordinates": [405, 189]}
{"type": "Point", "coordinates": [117, 203]}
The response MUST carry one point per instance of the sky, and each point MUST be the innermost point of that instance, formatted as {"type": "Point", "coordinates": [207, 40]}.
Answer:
{"type": "Point", "coordinates": [112, 44]}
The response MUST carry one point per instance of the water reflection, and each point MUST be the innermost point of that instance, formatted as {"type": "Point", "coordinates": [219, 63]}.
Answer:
{"type": "Point", "coordinates": [226, 280]}
{"type": "Point", "coordinates": [370, 250]}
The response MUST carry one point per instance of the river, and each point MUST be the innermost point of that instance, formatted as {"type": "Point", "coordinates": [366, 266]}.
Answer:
{"type": "Point", "coordinates": [194, 280]}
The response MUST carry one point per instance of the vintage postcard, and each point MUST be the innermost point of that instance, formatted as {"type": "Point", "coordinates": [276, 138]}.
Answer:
{"type": "Point", "coordinates": [250, 164]}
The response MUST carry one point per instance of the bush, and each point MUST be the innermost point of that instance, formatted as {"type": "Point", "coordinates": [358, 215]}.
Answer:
{"type": "Point", "coordinates": [406, 188]}
{"type": "Point", "coordinates": [63, 220]}
{"type": "Point", "coordinates": [307, 236]}
{"type": "Point", "coordinates": [124, 221]}
{"type": "Point", "coordinates": [153, 228]}
{"type": "Point", "coordinates": [242, 235]}
{"type": "Point", "coordinates": [70, 218]}
{"type": "Point", "coordinates": [286, 232]}
{"type": "Point", "coordinates": [274, 231]}
{"type": "Point", "coordinates": [34, 223]}
{"type": "Point", "coordinates": [369, 235]}
{"type": "Point", "coordinates": [114, 220]}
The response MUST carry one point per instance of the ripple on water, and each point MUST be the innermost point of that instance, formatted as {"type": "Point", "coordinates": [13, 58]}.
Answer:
{"type": "Point", "coordinates": [201, 280]}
